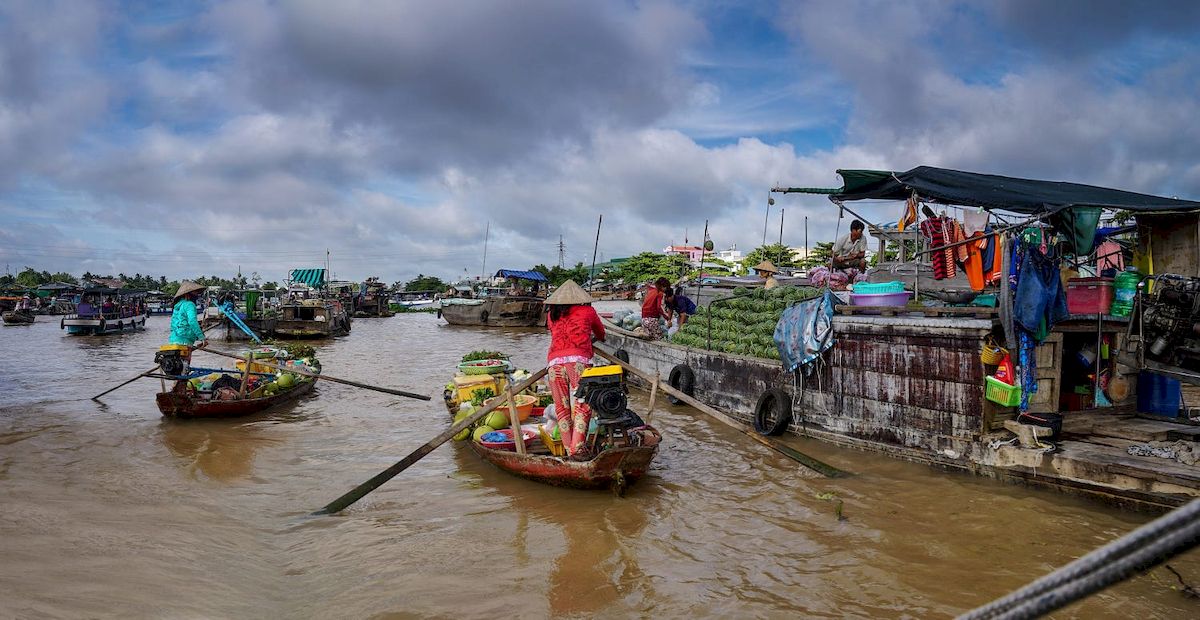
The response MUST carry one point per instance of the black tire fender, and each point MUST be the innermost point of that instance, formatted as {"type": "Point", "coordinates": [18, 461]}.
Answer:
{"type": "Point", "coordinates": [62, 323]}
{"type": "Point", "coordinates": [103, 324]}
{"type": "Point", "coordinates": [683, 379]}
{"type": "Point", "coordinates": [773, 413]}
{"type": "Point", "coordinates": [483, 316]}
{"type": "Point", "coordinates": [622, 355]}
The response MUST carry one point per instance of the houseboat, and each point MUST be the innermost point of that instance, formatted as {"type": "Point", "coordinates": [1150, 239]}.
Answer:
{"type": "Point", "coordinates": [1083, 402]}
{"type": "Point", "coordinates": [519, 305]}
{"type": "Point", "coordinates": [309, 311]}
{"type": "Point", "coordinates": [372, 300]}
{"type": "Point", "coordinates": [104, 310]}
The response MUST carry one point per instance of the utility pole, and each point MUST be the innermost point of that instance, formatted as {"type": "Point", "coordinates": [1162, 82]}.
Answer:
{"type": "Point", "coordinates": [781, 247]}
{"type": "Point", "coordinates": [806, 237]}
{"type": "Point", "coordinates": [486, 232]}
{"type": "Point", "coordinates": [595, 248]}
{"type": "Point", "coordinates": [562, 252]}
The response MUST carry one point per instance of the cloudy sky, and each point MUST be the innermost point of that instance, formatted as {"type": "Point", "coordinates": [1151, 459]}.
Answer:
{"type": "Point", "coordinates": [188, 138]}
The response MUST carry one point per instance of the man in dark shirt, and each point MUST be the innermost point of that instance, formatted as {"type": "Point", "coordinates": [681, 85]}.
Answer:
{"type": "Point", "coordinates": [679, 304]}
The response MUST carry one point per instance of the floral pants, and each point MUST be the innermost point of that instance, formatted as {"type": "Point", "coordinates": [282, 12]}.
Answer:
{"type": "Point", "coordinates": [572, 426]}
{"type": "Point", "coordinates": [652, 329]}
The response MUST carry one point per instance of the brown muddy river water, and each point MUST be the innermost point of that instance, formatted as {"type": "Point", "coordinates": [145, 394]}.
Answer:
{"type": "Point", "coordinates": [111, 511]}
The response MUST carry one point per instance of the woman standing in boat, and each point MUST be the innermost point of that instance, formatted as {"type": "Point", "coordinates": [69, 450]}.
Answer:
{"type": "Point", "coordinates": [572, 323]}
{"type": "Point", "coordinates": [653, 311]}
{"type": "Point", "coordinates": [185, 329]}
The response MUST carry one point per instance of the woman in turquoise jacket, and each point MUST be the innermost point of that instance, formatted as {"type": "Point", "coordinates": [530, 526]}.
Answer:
{"type": "Point", "coordinates": [185, 329]}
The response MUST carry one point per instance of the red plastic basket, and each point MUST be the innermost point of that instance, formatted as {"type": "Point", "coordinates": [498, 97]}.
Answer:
{"type": "Point", "coordinates": [1089, 295]}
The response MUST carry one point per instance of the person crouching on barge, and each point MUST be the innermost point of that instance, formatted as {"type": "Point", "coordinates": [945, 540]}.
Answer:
{"type": "Point", "coordinates": [185, 329]}
{"type": "Point", "coordinates": [572, 323]}
{"type": "Point", "coordinates": [653, 311]}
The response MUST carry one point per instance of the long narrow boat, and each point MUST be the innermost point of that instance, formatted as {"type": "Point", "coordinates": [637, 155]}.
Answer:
{"type": "Point", "coordinates": [18, 317]}
{"type": "Point", "coordinates": [615, 468]}
{"type": "Point", "coordinates": [180, 402]}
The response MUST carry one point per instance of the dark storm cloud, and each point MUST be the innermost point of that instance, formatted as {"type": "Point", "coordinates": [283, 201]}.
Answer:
{"type": "Point", "coordinates": [1072, 28]}
{"type": "Point", "coordinates": [462, 82]}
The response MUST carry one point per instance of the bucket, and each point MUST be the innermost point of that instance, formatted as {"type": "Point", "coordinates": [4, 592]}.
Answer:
{"type": "Point", "coordinates": [1158, 395]}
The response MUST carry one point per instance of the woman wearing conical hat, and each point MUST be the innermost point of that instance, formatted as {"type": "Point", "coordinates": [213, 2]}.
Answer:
{"type": "Point", "coordinates": [572, 323]}
{"type": "Point", "coordinates": [766, 270]}
{"type": "Point", "coordinates": [185, 329]}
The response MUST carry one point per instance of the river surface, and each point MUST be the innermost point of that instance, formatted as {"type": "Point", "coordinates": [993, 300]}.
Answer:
{"type": "Point", "coordinates": [109, 510]}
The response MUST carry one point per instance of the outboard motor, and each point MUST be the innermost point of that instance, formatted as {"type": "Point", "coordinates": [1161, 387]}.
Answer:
{"type": "Point", "coordinates": [603, 389]}
{"type": "Point", "coordinates": [173, 359]}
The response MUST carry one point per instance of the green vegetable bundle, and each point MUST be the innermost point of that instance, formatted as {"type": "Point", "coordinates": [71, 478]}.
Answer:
{"type": "Point", "coordinates": [475, 356]}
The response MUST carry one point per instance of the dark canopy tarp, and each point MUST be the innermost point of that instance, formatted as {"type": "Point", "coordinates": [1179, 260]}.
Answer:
{"type": "Point", "coordinates": [535, 276]}
{"type": "Point", "coordinates": [311, 277]}
{"type": "Point", "coordinates": [991, 191]}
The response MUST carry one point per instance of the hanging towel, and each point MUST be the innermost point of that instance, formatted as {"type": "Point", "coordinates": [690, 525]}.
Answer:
{"type": "Point", "coordinates": [975, 220]}
{"type": "Point", "coordinates": [973, 266]}
{"type": "Point", "coordinates": [909, 216]}
{"type": "Point", "coordinates": [934, 230]}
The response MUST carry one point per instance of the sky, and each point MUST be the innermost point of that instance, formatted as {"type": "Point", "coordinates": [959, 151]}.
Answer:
{"type": "Point", "coordinates": [204, 138]}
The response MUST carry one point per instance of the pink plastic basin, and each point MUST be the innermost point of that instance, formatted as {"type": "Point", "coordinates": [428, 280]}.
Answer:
{"type": "Point", "coordinates": [880, 299]}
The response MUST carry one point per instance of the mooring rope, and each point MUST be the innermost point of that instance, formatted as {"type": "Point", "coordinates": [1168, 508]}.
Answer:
{"type": "Point", "coordinates": [1146, 547]}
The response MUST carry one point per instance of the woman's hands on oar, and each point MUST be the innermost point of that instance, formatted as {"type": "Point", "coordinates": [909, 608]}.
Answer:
{"type": "Point", "coordinates": [320, 376]}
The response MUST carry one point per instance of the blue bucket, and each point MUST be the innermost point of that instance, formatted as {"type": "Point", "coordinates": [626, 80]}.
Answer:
{"type": "Point", "coordinates": [1158, 395]}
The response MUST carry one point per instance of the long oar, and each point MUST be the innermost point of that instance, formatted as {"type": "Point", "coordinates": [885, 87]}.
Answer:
{"type": "Point", "coordinates": [359, 491]}
{"type": "Point", "coordinates": [776, 445]}
{"type": "Point", "coordinates": [319, 376]}
{"type": "Point", "coordinates": [97, 397]}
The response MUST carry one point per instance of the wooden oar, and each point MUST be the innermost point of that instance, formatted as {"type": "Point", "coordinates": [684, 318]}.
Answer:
{"type": "Point", "coordinates": [776, 445]}
{"type": "Point", "coordinates": [359, 491]}
{"type": "Point", "coordinates": [323, 377]}
{"type": "Point", "coordinates": [113, 389]}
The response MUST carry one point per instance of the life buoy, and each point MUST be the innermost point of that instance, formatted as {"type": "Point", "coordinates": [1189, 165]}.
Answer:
{"type": "Point", "coordinates": [773, 413]}
{"type": "Point", "coordinates": [483, 316]}
{"type": "Point", "coordinates": [683, 379]}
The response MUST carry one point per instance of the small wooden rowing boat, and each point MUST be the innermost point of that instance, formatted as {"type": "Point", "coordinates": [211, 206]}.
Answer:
{"type": "Point", "coordinates": [18, 317]}
{"type": "Point", "coordinates": [181, 402]}
{"type": "Point", "coordinates": [614, 468]}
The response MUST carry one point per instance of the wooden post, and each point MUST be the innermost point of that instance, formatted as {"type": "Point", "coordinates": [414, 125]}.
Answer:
{"type": "Point", "coordinates": [515, 421]}
{"type": "Point", "coordinates": [245, 377]}
{"type": "Point", "coordinates": [653, 395]}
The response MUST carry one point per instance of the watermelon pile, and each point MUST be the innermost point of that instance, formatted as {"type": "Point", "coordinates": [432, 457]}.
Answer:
{"type": "Point", "coordinates": [743, 324]}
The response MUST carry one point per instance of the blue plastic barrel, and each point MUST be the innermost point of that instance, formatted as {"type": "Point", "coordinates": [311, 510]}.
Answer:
{"type": "Point", "coordinates": [1158, 395]}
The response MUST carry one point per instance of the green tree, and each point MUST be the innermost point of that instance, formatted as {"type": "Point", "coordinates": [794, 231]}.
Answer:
{"type": "Point", "coordinates": [30, 277]}
{"type": "Point", "coordinates": [425, 283]}
{"type": "Point", "coordinates": [649, 266]}
{"type": "Point", "coordinates": [779, 254]}
{"type": "Point", "coordinates": [818, 255]}
{"type": "Point", "coordinates": [557, 275]}
{"type": "Point", "coordinates": [269, 286]}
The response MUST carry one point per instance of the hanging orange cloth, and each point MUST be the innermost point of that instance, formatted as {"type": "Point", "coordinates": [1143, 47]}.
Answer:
{"type": "Point", "coordinates": [974, 263]}
{"type": "Point", "coordinates": [997, 267]}
{"type": "Point", "coordinates": [909, 217]}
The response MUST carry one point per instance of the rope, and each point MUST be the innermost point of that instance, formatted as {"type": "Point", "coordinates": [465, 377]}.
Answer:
{"type": "Point", "coordinates": [1143, 548]}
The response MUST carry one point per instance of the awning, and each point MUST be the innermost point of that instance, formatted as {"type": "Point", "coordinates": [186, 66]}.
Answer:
{"type": "Point", "coordinates": [990, 191]}
{"type": "Point", "coordinates": [535, 276]}
{"type": "Point", "coordinates": [311, 277]}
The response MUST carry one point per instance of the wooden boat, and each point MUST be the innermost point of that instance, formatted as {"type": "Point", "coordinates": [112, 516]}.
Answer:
{"type": "Point", "coordinates": [18, 317]}
{"type": "Point", "coordinates": [104, 310]}
{"type": "Point", "coordinates": [615, 468]}
{"type": "Point", "coordinates": [179, 402]}
{"type": "Point", "coordinates": [372, 300]}
{"type": "Point", "coordinates": [504, 311]}
{"type": "Point", "coordinates": [312, 318]}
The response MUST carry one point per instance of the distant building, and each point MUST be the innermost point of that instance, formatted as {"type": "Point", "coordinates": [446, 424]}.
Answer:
{"type": "Point", "coordinates": [692, 252]}
{"type": "Point", "coordinates": [732, 254]}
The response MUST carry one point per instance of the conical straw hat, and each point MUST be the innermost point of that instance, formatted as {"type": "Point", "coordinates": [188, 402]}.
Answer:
{"type": "Point", "coordinates": [186, 287]}
{"type": "Point", "coordinates": [766, 266]}
{"type": "Point", "coordinates": [569, 293]}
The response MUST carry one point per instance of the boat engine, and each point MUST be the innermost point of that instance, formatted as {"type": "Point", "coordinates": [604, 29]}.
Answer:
{"type": "Point", "coordinates": [603, 389]}
{"type": "Point", "coordinates": [172, 359]}
{"type": "Point", "coordinates": [1171, 321]}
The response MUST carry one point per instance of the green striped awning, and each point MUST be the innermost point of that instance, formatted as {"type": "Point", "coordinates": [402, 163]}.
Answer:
{"type": "Point", "coordinates": [311, 277]}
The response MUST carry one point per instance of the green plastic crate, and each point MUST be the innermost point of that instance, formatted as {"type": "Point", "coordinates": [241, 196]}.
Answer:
{"type": "Point", "coordinates": [1002, 393]}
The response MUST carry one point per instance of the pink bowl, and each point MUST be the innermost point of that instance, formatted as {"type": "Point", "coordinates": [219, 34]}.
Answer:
{"type": "Point", "coordinates": [880, 299]}
{"type": "Point", "coordinates": [527, 434]}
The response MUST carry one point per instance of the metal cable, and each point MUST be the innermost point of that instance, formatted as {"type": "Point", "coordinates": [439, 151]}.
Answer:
{"type": "Point", "coordinates": [1187, 516]}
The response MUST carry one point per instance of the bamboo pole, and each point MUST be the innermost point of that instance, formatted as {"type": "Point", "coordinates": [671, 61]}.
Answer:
{"type": "Point", "coordinates": [774, 444]}
{"type": "Point", "coordinates": [375, 482]}
{"type": "Point", "coordinates": [515, 421]}
{"type": "Point", "coordinates": [320, 376]}
{"type": "Point", "coordinates": [113, 389]}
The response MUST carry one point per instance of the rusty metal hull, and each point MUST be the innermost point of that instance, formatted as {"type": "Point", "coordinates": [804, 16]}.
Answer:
{"type": "Point", "coordinates": [498, 312]}
{"type": "Point", "coordinates": [612, 468]}
{"type": "Point", "coordinates": [179, 404]}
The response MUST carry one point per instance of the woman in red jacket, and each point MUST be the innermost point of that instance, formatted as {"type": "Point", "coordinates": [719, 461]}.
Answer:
{"type": "Point", "coordinates": [572, 323]}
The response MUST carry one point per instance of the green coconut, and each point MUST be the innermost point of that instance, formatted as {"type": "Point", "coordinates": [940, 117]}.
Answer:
{"type": "Point", "coordinates": [497, 419]}
{"type": "Point", "coordinates": [477, 436]}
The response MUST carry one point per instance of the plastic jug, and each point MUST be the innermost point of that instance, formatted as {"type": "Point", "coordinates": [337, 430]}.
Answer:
{"type": "Point", "coordinates": [1124, 290]}
{"type": "Point", "coordinates": [1005, 372]}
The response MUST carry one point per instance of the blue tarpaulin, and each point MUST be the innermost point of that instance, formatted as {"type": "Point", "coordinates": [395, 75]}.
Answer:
{"type": "Point", "coordinates": [535, 276]}
{"type": "Point", "coordinates": [805, 331]}
{"type": "Point", "coordinates": [311, 277]}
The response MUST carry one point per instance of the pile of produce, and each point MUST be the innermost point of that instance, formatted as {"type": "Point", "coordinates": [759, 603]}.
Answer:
{"type": "Point", "coordinates": [743, 324]}
{"type": "Point", "coordinates": [227, 385]}
{"type": "Point", "coordinates": [475, 356]}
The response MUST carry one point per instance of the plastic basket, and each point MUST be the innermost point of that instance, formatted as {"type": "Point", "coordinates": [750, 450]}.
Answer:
{"type": "Point", "coordinates": [1002, 393]}
{"type": "Point", "coordinates": [878, 288]}
{"type": "Point", "coordinates": [555, 446]}
{"type": "Point", "coordinates": [468, 368]}
{"type": "Point", "coordinates": [991, 353]}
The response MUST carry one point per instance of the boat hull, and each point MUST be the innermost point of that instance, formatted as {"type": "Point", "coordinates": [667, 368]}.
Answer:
{"type": "Point", "coordinates": [18, 317]}
{"type": "Point", "coordinates": [497, 312]}
{"type": "Point", "coordinates": [179, 404]}
{"type": "Point", "coordinates": [614, 468]}
{"type": "Point", "coordinates": [78, 326]}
